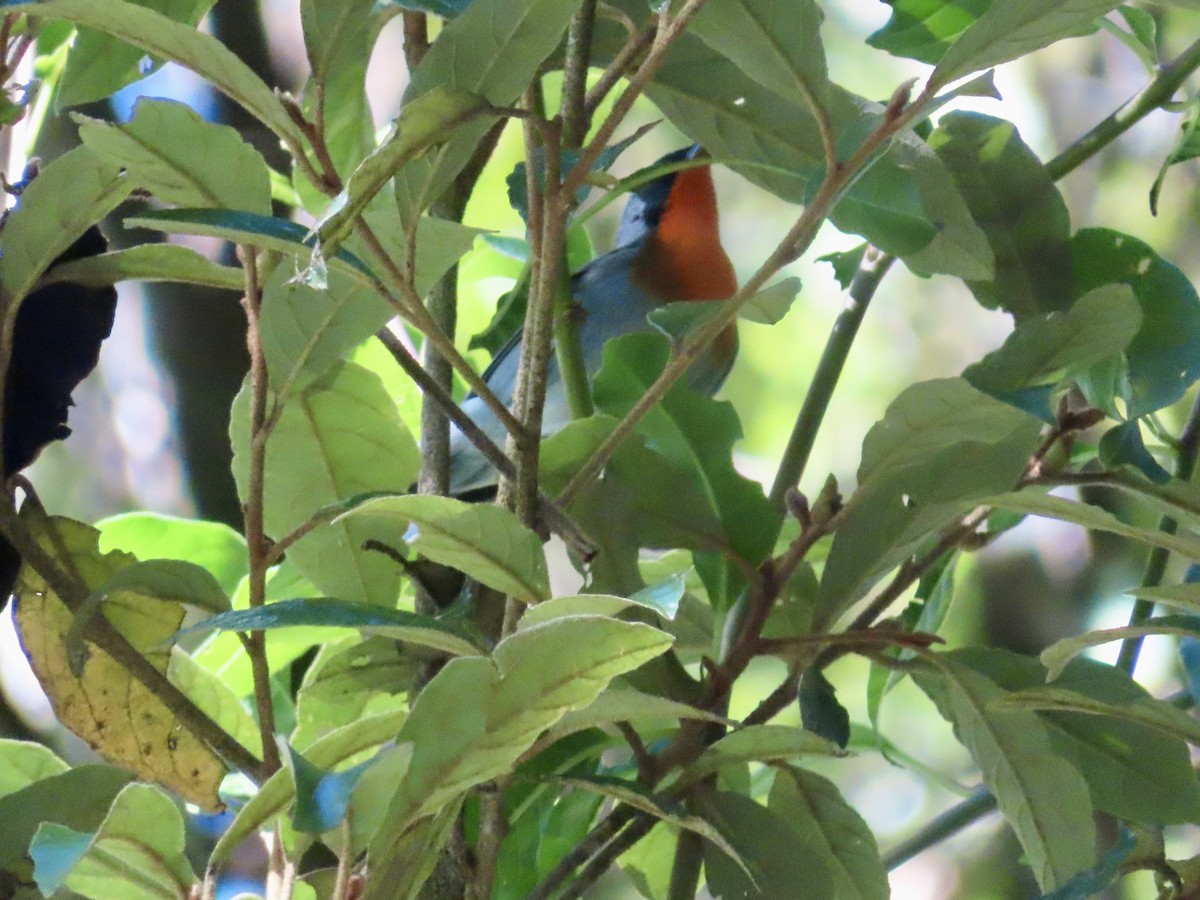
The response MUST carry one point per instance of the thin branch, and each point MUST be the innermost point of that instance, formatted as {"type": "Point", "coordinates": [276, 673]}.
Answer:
{"type": "Point", "coordinates": [637, 43]}
{"type": "Point", "coordinates": [1157, 92]}
{"type": "Point", "coordinates": [667, 33]}
{"type": "Point", "coordinates": [603, 832]}
{"type": "Point", "coordinates": [257, 544]}
{"type": "Point", "coordinates": [643, 757]}
{"type": "Point", "coordinates": [493, 828]}
{"type": "Point", "coordinates": [416, 38]}
{"type": "Point", "coordinates": [600, 863]}
{"type": "Point", "coordinates": [1156, 563]}
{"type": "Point", "coordinates": [575, 72]}
{"type": "Point", "coordinates": [870, 274]}
{"type": "Point", "coordinates": [412, 310]}
{"type": "Point", "coordinates": [686, 866]}
{"type": "Point", "coordinates": [949, 823]}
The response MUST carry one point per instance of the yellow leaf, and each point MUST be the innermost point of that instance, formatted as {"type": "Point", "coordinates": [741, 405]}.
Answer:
{"type": "Point", "coordinates": [118, 716]}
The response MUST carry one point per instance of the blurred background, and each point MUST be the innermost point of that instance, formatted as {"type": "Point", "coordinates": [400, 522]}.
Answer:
{"type": "Point", "coordinates": [150, 426]}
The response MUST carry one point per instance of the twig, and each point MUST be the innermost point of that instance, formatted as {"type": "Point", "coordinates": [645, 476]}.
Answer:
{"type": "Point", "coordinates": [257, 545]}
{"type": "Point", "coordinates": [636, 830]}
{"type": "Point", "coordinates": [686, 866]}
{"type": "Point", "coordinates": [493, 827]}
{"type": "Point", "coordinates": [575, 70]}
{"type": "Point", "coordinates": [643, 757]}
{"type": "Point", "coordinates": [1156, 563]}
{"type": "Point", "coordinates": [603, 832]}
{"type": "Point", "coordinates": [413, 310]}
{"type": "Point", "coordinates": [638, 41]}
{"type": "Point", "coordinates": [416, 38]}
{"type": "Point", "coordinates": [948, 823]}
{"type": "Point", "coordinates": [668, 32]}
{"type": "Point", "coordinates": [1158, 91]}
{"type": "Point", "coordinates": [870, 274]}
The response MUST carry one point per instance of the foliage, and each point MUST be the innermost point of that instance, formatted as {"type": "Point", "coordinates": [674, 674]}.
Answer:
{"type": "Point", "coordinates": [391, 675]}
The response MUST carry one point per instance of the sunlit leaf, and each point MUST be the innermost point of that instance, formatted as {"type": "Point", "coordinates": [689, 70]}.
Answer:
{"type": "Point", "coordinates": [483, 541]}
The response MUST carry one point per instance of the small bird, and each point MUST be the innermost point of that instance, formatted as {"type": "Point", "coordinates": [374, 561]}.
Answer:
{"type": "Point", "coordinates": [668, 249]}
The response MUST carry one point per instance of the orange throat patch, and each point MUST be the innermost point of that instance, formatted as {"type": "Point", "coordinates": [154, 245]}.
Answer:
{"type": "Point", "coordinates": [683, 259]}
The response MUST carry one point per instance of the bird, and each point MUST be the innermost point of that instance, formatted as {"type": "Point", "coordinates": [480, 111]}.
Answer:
{"type": "Point", "coordinates": [668, 249]}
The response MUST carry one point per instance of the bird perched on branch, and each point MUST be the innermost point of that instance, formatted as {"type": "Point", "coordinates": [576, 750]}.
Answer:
{"type": "Point", "coordinates": [668, 250]}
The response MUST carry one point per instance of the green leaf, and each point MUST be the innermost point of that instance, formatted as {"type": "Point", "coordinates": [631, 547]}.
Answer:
{"type": "Point", "coordinates": [845, 264]}
{"type": "Point", "coordinates": [69, 196]}
{"type": "Point", "coordinates": [478, 715]}
{"type": "Point", "coordinates": [1122, 445]}
{"type": "Point", "coordinates": [1057, 655]}
{"type": "Point", "coordinates": [580, 604]}
{"type": "Point", "coordinates": [222, 653]}
{"type": "Point", "coordinates": [1048, 348]}
{"type": "Point", "coordinates": [697, 434]}
{"type": "Point", "coordinates": [158, 35]}
{"type": "Point", "coordinates": [771, 859]}
{"type": "Point", "coordinates": [1181, 596]}
{"type": "Point", "coordinates": [925, 29]}
{"type": "Point", "coordinates": [759, 743]}
{"type": "Point", "coordinates": [904, 203]}
{"type": "Point", "coordinates": [136, 854]}
{"type": "Point", "coordinates": [1094, 518]}
{"type": "Point", "coordinates": [404, 872]}
{"type": "Point", "coordinates": [397, 624]}
{"type": "Point", "coordinates": [820, 710]}
{"type": "Point", "coordinates": [1187, 144]}
{"type": "Point", "coordinates": [1145, 711]}
{"type": "Point", "coordinates": [649, 862]}
{"type": "Point", "coordinates": [216, 699]}
{"type": "Point", "coordinates": [349, 679]}
{"type": "Point", "coordinates": [1132, 770]}
{"type": "Point", "coordinates": [776, 44]}
{"type": "Point", "coordinates": [211, 545]}
{"type": "Point", "coordinates": [640, 798]}
{"type": "Point", "coordinates": [493, 50]}
{"type": "Point", "coordinates": [814, 808]}
{"type": "Point", "coordinates": [623, 704]}
{"type": "Point", "coordinates": [24, 762]}
{"type": "Point", "coordinates": [78, 798]}
{"type": "Point", "coordinates": [1014, 200]}
{"type": "Point", "coordinates": [772, 303]}
{"type": "Point", "coordinates": [339, 438]}
{"type": "Point", "coordinates": [1013, 28]}
{"type": "Point", "coordinates": [98, 66]}
{"type": "Point", "coordinates": [1043, 797]}
{"type": "Point", "coordinates": [306, 329]}
{"type": "Point", "coordinates": [940, 448]}
{"type": "Point", "coordinates": [266, 232]}
{"type": "Point", "coordinates": [428, 120]}
{"type": "Point", "coordinates": [278, 791]}
{"type": "Point", "coordinates": [331, 33]}
{"type": "Point", "coordinates": [148, 262]}
{"type": "Point", "coordinates": [1163, 358]}
{"type": "Point", "coordinates": [486, 542]}
{"type": "Point", "coordinates": [1107, 872]}
{"type": "Point", "coordinates": [167, 149]}
{"type": "Point", "coordinates": [174, 580]}
{"type": "Point", "coordinates": [643, 500]}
